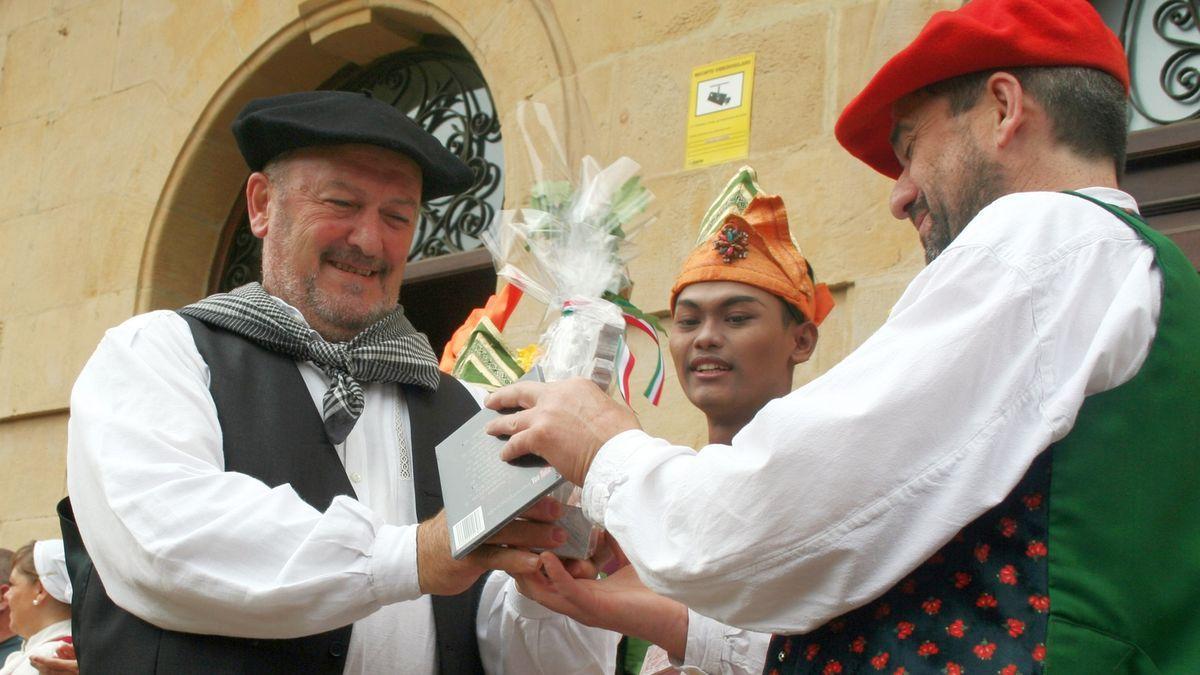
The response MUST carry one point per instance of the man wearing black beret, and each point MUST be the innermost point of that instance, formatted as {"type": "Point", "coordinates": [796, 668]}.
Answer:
{"type": "Point", "coordinates": [248, 473]}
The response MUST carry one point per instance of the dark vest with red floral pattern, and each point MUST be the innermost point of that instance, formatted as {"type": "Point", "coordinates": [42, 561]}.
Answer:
{"type": "Point", "coordinates": [1090, 565]}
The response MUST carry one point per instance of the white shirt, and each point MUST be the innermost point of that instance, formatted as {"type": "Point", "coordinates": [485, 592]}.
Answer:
{"type": "Point", "coordinates": [716, 649]}
{"type": "Point", "coordinates": [187, 546]}
{"type": "Point", "coordinates": [45, 642]}
{"type": "Point", "coordinates": [835, 492]}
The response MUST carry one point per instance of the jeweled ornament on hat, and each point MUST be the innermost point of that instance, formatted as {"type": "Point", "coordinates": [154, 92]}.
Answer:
{"type": "Point", "coordinates": [731, 243]}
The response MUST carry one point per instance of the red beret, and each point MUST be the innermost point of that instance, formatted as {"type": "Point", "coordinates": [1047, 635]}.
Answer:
{"type": "Point", "coordinates": [982, 35]}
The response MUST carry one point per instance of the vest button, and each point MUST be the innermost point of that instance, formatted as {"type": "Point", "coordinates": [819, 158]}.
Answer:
{"type": "Point", "coordinates": [337, 649]}
{"type": "Point", "coordinates": [782, 656]}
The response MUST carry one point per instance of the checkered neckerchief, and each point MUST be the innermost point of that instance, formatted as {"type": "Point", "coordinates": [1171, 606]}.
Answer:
{"type": "Point", "coordinates": [390, 350]}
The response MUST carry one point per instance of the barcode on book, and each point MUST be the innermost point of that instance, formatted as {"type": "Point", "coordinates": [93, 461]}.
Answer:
{"type": "Point", "coordinates": [469, 527]}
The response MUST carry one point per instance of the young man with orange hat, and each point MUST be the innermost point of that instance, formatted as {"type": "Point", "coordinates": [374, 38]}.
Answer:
{"type": "Point", "coordinates": [745, 310]}
{"type": "Point", "coordinates": [746, 269]}
{"type": "Point", "coordinates": [990, 482]}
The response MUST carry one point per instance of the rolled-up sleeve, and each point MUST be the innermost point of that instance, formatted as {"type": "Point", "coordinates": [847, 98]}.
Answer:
{"type": "Point", "coordinates": [714, 648]}
{"type": "Point", "coordinates": [517, 636]}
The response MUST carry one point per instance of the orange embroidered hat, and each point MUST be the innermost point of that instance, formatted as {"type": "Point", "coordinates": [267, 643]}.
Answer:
{"type": "Point", "coordinates": [981, 35]}
{"type": "Point", "coordinates": [744, 237]}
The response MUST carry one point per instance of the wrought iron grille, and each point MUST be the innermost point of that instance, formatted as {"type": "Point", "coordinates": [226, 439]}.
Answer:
{"type": "Point", "coordinates": [1162, 40]}
{"type": "Point", "coordinates": [446, 94]}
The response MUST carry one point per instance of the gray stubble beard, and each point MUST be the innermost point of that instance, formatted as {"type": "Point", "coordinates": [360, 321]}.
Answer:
{"type": "Point", "coordinates": [983, 184]}
{"type": "Point", "coordinates": [302, 293]}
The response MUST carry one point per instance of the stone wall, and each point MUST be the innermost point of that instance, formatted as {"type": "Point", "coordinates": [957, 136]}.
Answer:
{"type": "Point", "coordinates": [119, 172]}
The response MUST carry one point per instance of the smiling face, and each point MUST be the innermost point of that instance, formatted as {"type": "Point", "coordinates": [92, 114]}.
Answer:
{"type": "Point", "coordinates": [735, 348]}
{"type": "Point", "coordinates": [337, 223]}
{"type": "Point", "coordinates": [947, 178]}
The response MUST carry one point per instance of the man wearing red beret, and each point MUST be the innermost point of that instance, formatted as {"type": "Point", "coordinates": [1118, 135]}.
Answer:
{"type": "Point", "coordinates": [1003, 478]}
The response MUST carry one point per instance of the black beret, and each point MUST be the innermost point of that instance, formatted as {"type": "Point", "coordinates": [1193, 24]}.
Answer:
{"type": "Point", "coordinates": [269, 127]}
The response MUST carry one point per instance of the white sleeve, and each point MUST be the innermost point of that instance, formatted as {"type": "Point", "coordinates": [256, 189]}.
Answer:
{"type": "Point", "coordinates": [714, 648]}
{"type": "Point", "coordinates": [517, 636]}
{"type": "Point", "coordinates": [187, 546]}
{"type": "Point", "coordinates": [48, 650]}
{"type": "Point", "coordinates": [834, 492]}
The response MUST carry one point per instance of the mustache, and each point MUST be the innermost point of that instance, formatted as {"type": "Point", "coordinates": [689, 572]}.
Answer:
{"type": "Point", "coordinates": [917, 207]}
{"type": "Point", "coordinates": [350, 255]}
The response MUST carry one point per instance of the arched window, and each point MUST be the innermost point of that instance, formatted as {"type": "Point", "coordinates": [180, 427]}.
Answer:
{"type": "Point", "coordinates": [1162, 41]}
{"type": "Point", "coordinates": [446, 94]}
{"type": "Point", "coordinates": [443, 90]}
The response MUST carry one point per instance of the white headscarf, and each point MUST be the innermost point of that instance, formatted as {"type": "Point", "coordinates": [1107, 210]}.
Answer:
{"type": "Point", "coordinates": [50, 561]}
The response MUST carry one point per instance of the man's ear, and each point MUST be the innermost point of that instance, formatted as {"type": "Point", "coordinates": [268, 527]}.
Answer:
{"type": "Point", "coordinates": [1005, 107]}
{"type": "Point", "coordinates": [3, 603]}
{"type": "Point", "coordinates": [258, 198]}
{"type": "Point", "coordinates": [804, 336]}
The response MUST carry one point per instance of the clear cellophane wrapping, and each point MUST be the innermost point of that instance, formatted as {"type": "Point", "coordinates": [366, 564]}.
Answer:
{"type": "Point", "coordinates": [567, 249]}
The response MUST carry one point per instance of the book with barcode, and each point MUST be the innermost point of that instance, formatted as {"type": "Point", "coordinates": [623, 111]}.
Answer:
{"type": "Point", "coordinates": [481, 492]}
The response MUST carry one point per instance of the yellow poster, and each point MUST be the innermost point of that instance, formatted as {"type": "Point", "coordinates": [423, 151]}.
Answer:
{"type": "Point", "coordinates": [718, 126]}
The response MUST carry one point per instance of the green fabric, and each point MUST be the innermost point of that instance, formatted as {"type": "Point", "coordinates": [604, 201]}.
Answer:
{"type": "Point", "coordinates": [486, 360]}
{"type": "Point", "coordinates": [734, 198]}
{"type": "Point", "coordinates": [1124, 549]}
{"type": "Point", "coordinates": [1078, 649]}
{"type": "Point", "coordinates": [633, 654]}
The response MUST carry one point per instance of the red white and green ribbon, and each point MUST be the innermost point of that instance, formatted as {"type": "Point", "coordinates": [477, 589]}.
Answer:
{"type": "Point", "coordinates": [654, 389]}
{"type": "Point", "coordinates": [648, 324]}
{"type": "Point", "coordinates": [625, 363]}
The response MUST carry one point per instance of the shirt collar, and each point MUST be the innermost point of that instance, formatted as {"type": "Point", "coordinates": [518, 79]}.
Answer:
{"type": "Point", "coordinates": [1112, 196]}
{"type": "Point", "coordinates": [295, 313]}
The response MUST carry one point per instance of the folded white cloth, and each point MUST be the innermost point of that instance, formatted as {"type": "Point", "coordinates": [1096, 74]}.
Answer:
{"type": "Point", "coordinates": [50, 561]}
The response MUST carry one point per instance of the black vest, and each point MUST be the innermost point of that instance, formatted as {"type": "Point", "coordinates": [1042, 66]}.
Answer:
{"type": "Point", "coordinates": [272, 432]}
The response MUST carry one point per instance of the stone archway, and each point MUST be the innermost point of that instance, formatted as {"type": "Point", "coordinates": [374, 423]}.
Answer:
{"type": "Point", "coordinates": [191, 215]}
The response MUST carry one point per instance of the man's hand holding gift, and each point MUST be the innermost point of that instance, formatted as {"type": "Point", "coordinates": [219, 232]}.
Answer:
{"type": "Point", "coordinates": [507, 550]}
{"type": "Point", "coordinates": [564, 423]}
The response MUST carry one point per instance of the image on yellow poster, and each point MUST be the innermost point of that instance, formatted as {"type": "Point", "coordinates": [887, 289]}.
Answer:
{"type": "Point", "coordinates": [718, 125]}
